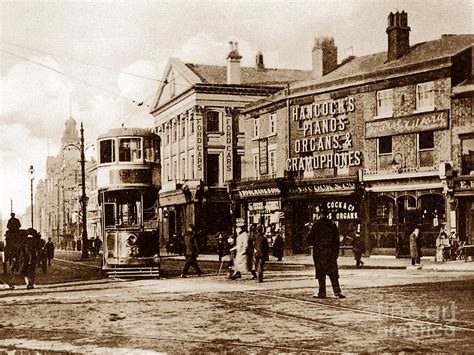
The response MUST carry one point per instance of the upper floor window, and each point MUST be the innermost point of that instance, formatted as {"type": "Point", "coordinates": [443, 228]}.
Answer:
{"type": "Point", "coordinates": [191, 124]}
{"type": "Point", "coordinates": [167, 134]}
{"type": "Point", "coordinates": [213, 121]}
{"type": "Point", "coordinates": [191, 167]}
{"type": "Point", "coordinates": [256, 127]}
{"type": "Point", "coordinates": [130, 149]}
{"type": "Point", "coordinates": [385, 103]}
{"type": "Point", "coordinates": [175, 131]}
{"type": "Point", "coordinates": [467, 156]}
{"type": "Point", "coordinates": [107, 151]}
{"type": "Point", "coordinates": [384, 152]}
{"type": "Point", "coordinates": [168, 172]}
{"type": "Point", "coordinates": [183, 168]}
{"type": "Point", "coordinates": [425, 96]}
{"type": "Point", "coordinates": [183, 127]}
{"type": "Point", "coordinates": [272, 161]}
{"type": "Point", "coordinates": [255, 165]}
{"type": "Point", "coordinates": [272, 124]}
{"type": "Point", "coordinates": [425, 149]}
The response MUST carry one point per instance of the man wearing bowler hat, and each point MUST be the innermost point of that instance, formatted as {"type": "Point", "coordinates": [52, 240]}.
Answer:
{"type": "Point", "coordinates": [191, 251]}
{"type": "Point", "coordinates": [324, 237]}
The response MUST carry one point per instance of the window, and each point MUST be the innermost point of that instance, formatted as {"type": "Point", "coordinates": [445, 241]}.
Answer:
{"type": "Point", "coordinates": [384, 148]}
{"type": "Point", "coordinates": [213, 121]}
{"type": "Point", "coordinates": [130, 149]}
{"type": "Point", "coordinates": [107, 151]}
{"type": "Point", "coordinates": [213, 169]}
{"type": "Point", "coordinates": [467, 156]}
{"type": "Point", "coordinates": [152, 150]}
{"type": "Point", "coordinates": [109, 214]}
{"type": "Point", "coordinates": [425, 96]}
{"type": "Point", "coordinates": [167, 134]}
{"type": "Point", "coordinates": [255, 165]}
{"type": "Point", "coordinates": [272, 124]}
{"type": "Point", "coordinates": [425, 149]}
{"type": "Point", "coordinates": [385, 103]}
{"type": "Point", "coordinates": [183, 168]}
{"type": "Point", "coordinates": [168, 171]}
{"type": "Point", "coordinates": [191, 167]}
{"type": "Point", "coordinates": [272, 159]}
{"type": "Point", "coordinates": [175, 170]}
{"type": "Point", "coordinates": [256, 127]}
{"type": "Point", "coordinates": [183, 127]}
{"type": "Point", "coordinates": [175, 131]}
{"type": "Point", "coordinates": [191, 124]}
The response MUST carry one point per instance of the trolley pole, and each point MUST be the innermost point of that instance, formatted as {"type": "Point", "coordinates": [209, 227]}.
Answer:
{"type": "Point", "coordinates": [85, 242]}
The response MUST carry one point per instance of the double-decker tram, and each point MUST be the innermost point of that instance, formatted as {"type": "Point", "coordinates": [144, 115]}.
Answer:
{"type": "Point", "coordinates": [128, 180]}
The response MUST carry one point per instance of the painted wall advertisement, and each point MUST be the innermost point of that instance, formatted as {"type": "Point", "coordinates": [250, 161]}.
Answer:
{"type": "Point", "coordinates": [327, 142]}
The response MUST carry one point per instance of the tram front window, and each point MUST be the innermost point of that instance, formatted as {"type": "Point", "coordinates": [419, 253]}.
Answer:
{"type": "Point", "coordinates": [130, 149]}
{"type": "Point", "coordinates": [107, 151]}
{"type": "Point", "coordinates": [128, 214]}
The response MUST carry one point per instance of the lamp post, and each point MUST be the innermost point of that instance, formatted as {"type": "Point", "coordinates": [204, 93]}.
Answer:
{"type": "Point", "coordinates": [31, 174]}
{"type": "Point", "coordinates": [402, 161]}
{"type": "Point", "coordinates": [83, 199]}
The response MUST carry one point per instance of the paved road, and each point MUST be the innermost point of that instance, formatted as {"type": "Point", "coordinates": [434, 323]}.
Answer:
{"type": "Point", "coordinates": [386, 310]}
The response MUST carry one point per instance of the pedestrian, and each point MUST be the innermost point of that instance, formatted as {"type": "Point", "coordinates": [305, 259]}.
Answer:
{"type": "Point", "coordinates": [29, 258]}
{"type": "Point", "coordinates": [231, 251]}
{"type": "Point", "coordinates": [191, 251]}
{"type": "Point", "coordinates": [414, 248]}
{"type": "Point", "coordinates": [261, 252]}
{"type": "Point", "coordinates": [358, 248]}
{"type": "Point", "coordinates": [220, 247]}
{"type": "Point", "coordinates": [241, 261]}
{"type": "Point", "coordinates": [13, 224]}
{"type": "Point", "coordinates": [278, 247]}
{"type": "Point", "coordinates": [97, 245]}
{"type": "Point", "coordinates": [49, 250]}
{"type": "Point", "coordinates": [324, 237]}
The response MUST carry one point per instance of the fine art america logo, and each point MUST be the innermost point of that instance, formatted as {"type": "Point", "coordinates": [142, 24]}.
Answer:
{"type": "Point", "coordinates": [432, 320]}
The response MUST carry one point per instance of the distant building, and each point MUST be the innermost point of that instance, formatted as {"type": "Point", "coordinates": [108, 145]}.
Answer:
{"type": "Point", "coordinates": [196, 115]}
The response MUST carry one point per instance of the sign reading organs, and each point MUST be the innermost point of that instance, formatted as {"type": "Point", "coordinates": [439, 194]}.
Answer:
{"type": "Point", "coordinates": [327, 142]}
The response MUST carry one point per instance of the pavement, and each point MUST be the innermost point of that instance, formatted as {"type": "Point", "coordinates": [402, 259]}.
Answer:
{"type": "Point", "coordinates": [348, 262]}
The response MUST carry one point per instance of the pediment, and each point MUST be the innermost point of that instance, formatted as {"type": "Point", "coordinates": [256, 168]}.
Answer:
{"type": "Point", "coordinates": [176, 79]}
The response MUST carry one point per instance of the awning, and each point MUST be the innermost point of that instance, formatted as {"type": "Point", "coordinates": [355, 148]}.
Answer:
{"type": "Point", "coordinates": [170, 198]}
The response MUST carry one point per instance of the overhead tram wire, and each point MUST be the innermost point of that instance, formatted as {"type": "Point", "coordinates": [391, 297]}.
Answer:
{"type": "Point", "coordinates": [69, 76]}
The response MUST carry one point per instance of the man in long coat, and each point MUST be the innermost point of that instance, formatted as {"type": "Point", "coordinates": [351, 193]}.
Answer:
{"type": "Point", "coordinates": [242, 261]}
{"type": "Point", "coordinates": [191, 251]}
{"type": "Point", "coordinates": [261, 252]}
{"type": "Point", "coordinates": [414, 247]}
{"type": "Point", "coordinates": [324, 237]}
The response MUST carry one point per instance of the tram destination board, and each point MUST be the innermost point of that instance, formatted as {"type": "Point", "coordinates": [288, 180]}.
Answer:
{"type": "Point", "coordinates": [131, 176]}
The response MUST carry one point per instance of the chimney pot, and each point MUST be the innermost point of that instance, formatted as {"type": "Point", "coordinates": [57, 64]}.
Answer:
{"type": "Point", "coordinates": [324, 56]}
{"type": "Point", "coordinates": [233, 64]}
{"type": "Point", "coordinates": [398, 34]}
{"type": "Point", "coordinates": [259, 65]}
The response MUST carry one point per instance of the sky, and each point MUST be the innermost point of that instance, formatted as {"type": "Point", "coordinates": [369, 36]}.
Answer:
{"type": "Point", "coordinates": [96, 60]}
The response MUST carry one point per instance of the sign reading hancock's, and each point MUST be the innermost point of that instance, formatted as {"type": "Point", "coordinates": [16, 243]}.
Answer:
{"type": "Point", "coordinates": [327, 142]}
{"type": "Point", "coordinates": [409, 124]}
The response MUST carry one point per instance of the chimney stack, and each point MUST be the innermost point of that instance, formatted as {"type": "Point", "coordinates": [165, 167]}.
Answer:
{"type": "Point", "coordinates": [233, 64]}
{"type": "Point", "coordinates": [259, 61]}
{"type": "Point", "coordinates": [324, 56]}
{"type": "Point", "coordinates": [398, 35]}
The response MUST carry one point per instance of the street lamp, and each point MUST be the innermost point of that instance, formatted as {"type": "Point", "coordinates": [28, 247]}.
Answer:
{"type": "Point", "coordinates": [396, 162]}
{"type": "Point", "coordinates": [31, 174]}
{"type": "Point", "coordinates": [83, 199]}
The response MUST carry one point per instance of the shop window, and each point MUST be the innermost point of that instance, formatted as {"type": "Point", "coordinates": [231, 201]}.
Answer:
{"type": "Point", "coordinates": [130, 149]}
{"type": "Point", "coordinates": [107, 151]}
{"type": "Point", "coordinates": [383, 211]}
{"type": "Point", "coordinates": [406, 206]}
{"type": "Point", "coordinates": [256, 127]}
{"type": "Point", "coordinates": [272, 124]}
{"type": "Point", "coordinates": [385, 103]}
{"type": "Point", "coordinates": [467, 156]}
{"type": "Point", "coordinates": [384, 150]}
{"type": "Point", "coordinates": [425, 149]}
{"type": "Point", "coordinates": [213, 121]}
{"type": "Point", "coordinates": [213, 170]}
{"type": "Point", "coordinates": [425, 96]}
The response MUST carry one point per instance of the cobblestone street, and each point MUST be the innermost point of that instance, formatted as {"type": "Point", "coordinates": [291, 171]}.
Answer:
{"type": "Point", "coordinates": [398, 310]}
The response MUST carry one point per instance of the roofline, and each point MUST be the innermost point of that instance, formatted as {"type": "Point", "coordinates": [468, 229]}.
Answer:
{"type": "Point", "coordinates": [350, 81]}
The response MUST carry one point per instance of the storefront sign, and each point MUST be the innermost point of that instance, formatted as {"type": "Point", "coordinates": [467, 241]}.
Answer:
{"type": "Point", "coordinates": [346, 186]}
{"type": "Point", "coordinates": [256, 206]}
{"type": "Point", "coordinates": [409, 124]}
{"type": "Point", "coordinates": [228, 147]}
{"type": "Point", "coordinates": [341, 210]}
{"type": "Point", "coordinates": [327, 142]}
{"type": "Point", "coordinates": [199, 145]}
{"type": "Point", "coordinates": [272, 205]}
{"type": "Point", "coordinates": [263, 156]}
{"type": "Point", "coordinates": [465, 185]}
{"type": "Point", "coordinates": [259, 192]}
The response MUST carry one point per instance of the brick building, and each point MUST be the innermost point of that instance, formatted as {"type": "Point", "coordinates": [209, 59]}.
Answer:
{"type": "Point", "coordinates": [375, 138]}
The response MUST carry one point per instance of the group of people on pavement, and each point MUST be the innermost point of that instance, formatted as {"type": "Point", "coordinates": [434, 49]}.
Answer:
{"type": "Point", "coordinates": [25, 250]}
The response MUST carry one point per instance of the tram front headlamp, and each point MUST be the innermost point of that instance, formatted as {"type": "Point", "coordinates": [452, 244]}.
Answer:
{"type": "Point", "coordinates": [132, 239]}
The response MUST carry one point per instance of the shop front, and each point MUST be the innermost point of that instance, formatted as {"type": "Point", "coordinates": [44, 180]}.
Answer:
{"type": "Point", "coordinates": [341, 196]}
{"type": "Point", "coordinates": [464, 199]}
{"type": "Point", "coordinates": [395, 208]}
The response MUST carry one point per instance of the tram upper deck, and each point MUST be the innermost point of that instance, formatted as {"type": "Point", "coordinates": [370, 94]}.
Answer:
{"type": "Point", "coordinates": [128, 157]}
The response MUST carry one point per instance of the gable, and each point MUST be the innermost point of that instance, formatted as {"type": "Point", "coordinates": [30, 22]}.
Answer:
{"type": "Point", "coordinates": [176, 79]}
